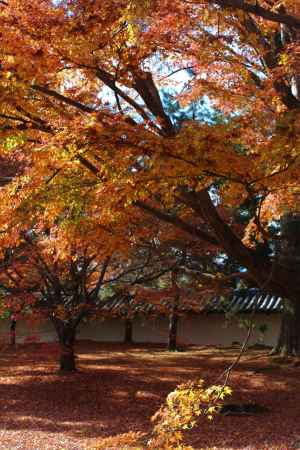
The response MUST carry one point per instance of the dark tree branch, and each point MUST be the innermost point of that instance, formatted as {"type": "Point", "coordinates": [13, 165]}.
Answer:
{"type": "Point", "coordinates": [94, 293]}
{"type": "Point", "coordinates": [266, 274]}
{"type": "Point", "coordinates": [63, 98]}
{"type": "Point", "coordinates": [191, 229]}
{"type": "Point", "coordinates": [16, 118]}
{"type": "Point", "coordinates": [145, 86]}
{"type": "Point", "coordinates": [259, 11]}
{"type": "Point", "coordinates": [87, 164]}
{"type": "Point", "coordinates": [109, 81]}
{"type": "Point", "coordinates": [203, 206]}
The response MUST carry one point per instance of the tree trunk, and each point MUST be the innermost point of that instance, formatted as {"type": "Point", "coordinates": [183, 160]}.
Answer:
{"type": "Point", "coordinates": [66, 337]}
{"type": "Point", "coordinates": [128, 331]}
{"type": "Point", "coordinates": [289, 337]}
{"type": "Point", "coordinates": [289, 257]}
{"type": "Point", "coordinates": [173, 317]}
{"type": "Point", "coordinates": [173, 323]}
{"type": "Point", "coordinates": [12, 332]}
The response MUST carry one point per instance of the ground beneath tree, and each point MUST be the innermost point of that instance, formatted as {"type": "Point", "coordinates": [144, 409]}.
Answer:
{"type": "Point", "coordinates": [118, 388]}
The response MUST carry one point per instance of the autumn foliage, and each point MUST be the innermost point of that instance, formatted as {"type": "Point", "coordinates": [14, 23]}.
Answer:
{"type": "Point", "coordinates": [95, 169]}
{"type": "Point", "coordinates": [81, 105]}
{"type": "Point", "coordinates": [182, 410]}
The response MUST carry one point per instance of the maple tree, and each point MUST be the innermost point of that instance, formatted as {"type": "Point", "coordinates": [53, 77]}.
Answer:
{"type": "Point", "coordinates": [70, 261]}
{"type": "Point", "coordinates": [188, 272]}
{"type": "Point", "coordinates": [64, 256]}
{"type": "Point", "coordinates": [192, 280]}
{"type": "Point", "coordinates": [182, 409]}
{"type": "Point", "coordinates": [72, 272]}
{"type": "Point", "coordinates": [40, 282]}
{"type": "Point", "coordinates": [80, 84]}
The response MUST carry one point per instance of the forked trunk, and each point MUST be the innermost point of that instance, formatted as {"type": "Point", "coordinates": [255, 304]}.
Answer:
{"type": "Point", "coordinates": [289, 337]}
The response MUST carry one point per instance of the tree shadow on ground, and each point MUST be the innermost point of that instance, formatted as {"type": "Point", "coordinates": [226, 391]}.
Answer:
{"type": "Point", "coordinates": [118, 390]}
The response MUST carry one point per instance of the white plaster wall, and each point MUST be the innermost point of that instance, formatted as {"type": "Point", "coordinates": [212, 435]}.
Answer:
{"type": "Point", "coordinates": [106, 331]}
{"type": "Point", "coordinates": [212, 329]}
{"type": "Point", "coordinates": [193, 329]}
{"type": "Point", "coordinates": [109, 330]}
{"type": "Point", "coordinates": [150, 329]}
{"type": "Point", "coordinates": [28, 332]}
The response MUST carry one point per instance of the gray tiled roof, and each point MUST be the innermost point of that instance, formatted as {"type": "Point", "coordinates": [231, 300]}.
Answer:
{"type": "Point", "coordinates": [242, 301]}
{"type": "Point", "coordinates": [245, 301]}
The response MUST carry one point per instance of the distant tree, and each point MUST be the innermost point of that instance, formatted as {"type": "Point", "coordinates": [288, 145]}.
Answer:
{"type": "Point", "coordinates": [12, 330]}
{"type": "Point", "coordinates": [173, 317]}
{"type": "Point", "coordinates": [40, 282]}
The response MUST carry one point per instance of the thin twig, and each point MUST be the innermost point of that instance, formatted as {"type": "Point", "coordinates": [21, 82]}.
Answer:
{"type": "Point", "coordinates": [227, 372]}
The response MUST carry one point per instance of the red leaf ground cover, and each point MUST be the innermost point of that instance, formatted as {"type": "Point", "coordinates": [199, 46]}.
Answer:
{"type": "Point", "coordinates": [109, 402]}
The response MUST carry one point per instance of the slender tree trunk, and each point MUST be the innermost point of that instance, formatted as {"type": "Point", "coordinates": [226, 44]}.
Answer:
{"type": "Point", "coordinates": [289, 336]}
{"type": "Point", "coordinates": [173, 317]}
{"type": "Point", "coordinates": [173, 323]}
{"type": "Point", "coordinates": [66, 337]}
{"type": "Point", "coordinates": [128, 331]}
{"type": "Point", "coordinates": [12, 332]}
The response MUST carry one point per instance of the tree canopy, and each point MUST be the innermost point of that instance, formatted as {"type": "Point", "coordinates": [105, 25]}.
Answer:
{"type": "Point", "coordinates": [83, 114]}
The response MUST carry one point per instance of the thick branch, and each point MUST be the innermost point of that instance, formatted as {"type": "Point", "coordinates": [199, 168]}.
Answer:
{"type": "Point", "coordinates": [87, 164]}
{"type": "Point", "coordinates": [62, 98]}
{"type": "Point", "coordinates": [107, 79]}
{"type": "Point", "coordinates": [145, 86]}
{"type": "Point", "coordinates": [179, 223]}
{"type": "Point", "coordinates": [269, 276]}
{"type": "Point", "coordinates": [257, 10]}
{"type": "Point", "coordinates": [203, 206]}
{"type": "Point", "coordinates": [97, 288]}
